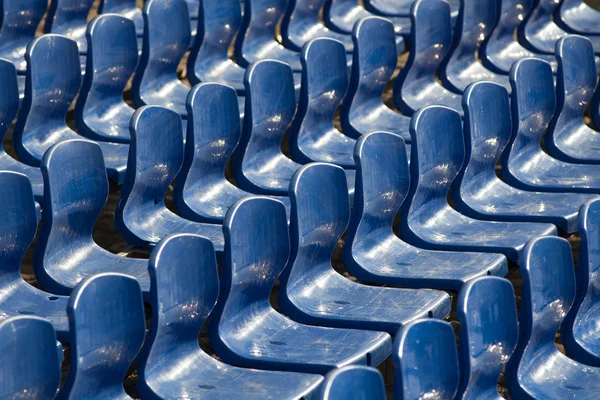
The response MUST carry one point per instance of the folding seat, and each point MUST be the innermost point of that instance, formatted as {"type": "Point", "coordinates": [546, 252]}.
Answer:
{"type": "Point", "coordinates": [259, 165]}
{"type": "Point", "coordinates": [246, 330]}
{"type": "Point", "coordinates": [202, 192]}
{"type": "Point", "coordinates": [353, 382]}
{"type": "Point", "coordinates": [342, 15]}
{"type": "Point", "coordinates": [578, 17]}
{"type": "Point", "coordinates": [537, 369]}
{"type": "Point", "coordinates": [69, 18]}
{"type": "Point", "coordinates": [126, 8]}
{"type": "Point", "coordinates": [418, 347]}
{"type": "Point", "coordinates": [53, 80]}
{"type": "Point", "coordinates": [525, 165]}
{"type": "Point", "coordinates": [488, 335]}
{"type": "Point", "coordinates": [478, 192]}
{"type": "Point", "coordinates": [372, 251]}
{"type": "Point", "coordinates": [106, 318]}
{"type": "Point", "coordinates": [374, 62]}
{"type": "Point", "coordinates": [155, 159]}
{"type": "Point", "coordinates": [100, 111]}
{"type": "Point", "coordinates": [187, 263]}
{"type": "Point", "coordinates": [312, 292]}
{"type": "Point", "coordinates": [19, 223]}
{"type": "Point", "coordinates": [428, 220]}
{"type": "Point", "coordinates": [29, 362]}
{"type": "Point", "coordinates": [430, 38]}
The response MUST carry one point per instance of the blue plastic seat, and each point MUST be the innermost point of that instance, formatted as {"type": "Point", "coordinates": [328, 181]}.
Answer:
{"type": "Point", "coordinates": [373, 253]}
{"type": "Point", "coordinates": [488, 335]}
{"type": "Point", "coordinates": [478, 192]}
{"type": "Point", "coordinates": [342, 15]}
{"type": "Point", "coordinates": [76, 192]}
{"type": "Point", "coordinates": [20, 19]}
{"type": "Point", "coordinates": [126, 8]}
{"type": "Point", "coordinates": [353, 382]}
{"type": "Point", "coordinates": [537, 369]}
{"type": "Point", "coordinates": [428, 219]}
{"type": "Point", "coordinates": [314, 293]}
{"type": "Point", "coordinates": [525, 165]}
{"type": "Point", "coordinates": [430, 38]}
{"type": "Point", "coordinates": [53, 80]}
{"type": "Point", "coordinates": [374, 62]}
{"type": "Point", "coordinates": [106, 317]}
{"type": "Point", "coordinates": [193, 8]}
{"type": "Point", "coordinates": [400, 8]}
{"type": "Point", "coordinates": [19, 223]}
{"type": "Point", "coordinates": [578, 17]}
{"type": "Point", "coordinates": [30, 367]}
{"type": "Point", "coordinates": [100, 112]}
{"type": "Point", "coordinates": [155, 159]}
{"type": "Point", "coordinates": [258, 164]}
{"type": "Point", "coordinates": [419, 346]}
{"type": "Point", "coordinates": [475, 24]}
{"type": "Point", "coordinates": [246, 330]}
{"type": "Point", "coordinates": [187, 262]}
{"type": "Point", "coordinates": [69, 18]}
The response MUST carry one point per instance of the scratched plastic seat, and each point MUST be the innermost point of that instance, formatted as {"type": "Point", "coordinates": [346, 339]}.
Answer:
{"type": "Point", "coordinates": [430, 38]}
{"type": "Point", "coordinates": [578, 17]}
{"type": "Point", "coordinates": [524, 164]}
{"type": "Point", "coordinates": [353, 382]}
{"type": "Point", "coordinates": [100, 112]}
{"type": "Point", "coordinates": [187, 262]}
{"type": "Point", "coordinates": [53, 80]}
{"type": "Point", "coordinates": [106, 317]}
{"type": "Point", "coordinates": [373, 253]}
{"type": "Point", "coordinates": [478, 192]}
{"type": "Point", "coordinates": [537, 369]}
{"type": "Point", "coordinates": [19, 223]}
{"type": "Point", "coordinates": [417, 347]}
{"type": "Point", "coordinates": [155, 159]}
{"type": "Point", "coordinates": [314, 293]}
{"type": "Point", "coordinates": [126, 8]}
{"type": "Point", "coordinates": [257, 249]}
{"type": "Point", "coordinates": [69, 18]}
{"type": "Point", "coordinates": [76, 192]}
{"type": "Point", "coordinates": [428, 219]}
{"type": "Point", "coordinates": [30, 366]}
{"type": "Point", "coordinates": [342, 15]}
{"type": "Point", "coordinates": [488, 335]}
{"type": "Point", "coordinates": [258, 163]}
{"type": "Point", "coordinates": [374, 62]}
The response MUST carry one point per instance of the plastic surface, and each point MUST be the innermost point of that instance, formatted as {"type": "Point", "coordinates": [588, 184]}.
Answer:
{"type": "Point", "coordinates": [430, 39]}
{"type": "Point", "coordinates": [578, 17]}
{"type": "Point", "coordinates": [53, 80]}
{"type": "Point", "coordinates": [478, 192]}
{"type": "Point", "coordinates": [106, 317]}
{"type": "Point", "coordinates": [373, 64]}
{"type": "Point", "coordinates": [353, 382]}
{"type": "Point", "coordinates": [30, 367]}
{"type": "Point", "coordinates": [69, 18]}
{"type": "Point", "coordinates": [126, 8]}
{"type": "Point", "coordinates": [537, 370]}
{"type": "Point", "coordinates": [524, 164]}
{"type": "Point", "coordinates": [428, 220]}
{"type": "Point", "coordinates": [187, 262]}
{"type": "Point", "coordinates": [488, 335]}
{"type": "Point", "coordinates": [342, 15]}
{"type": "Point", "coordinates": [245, 330]}
{"type": "Point", "coordinates": [100, 112]}
{"type": "Point", "coordinates": [419, 346]}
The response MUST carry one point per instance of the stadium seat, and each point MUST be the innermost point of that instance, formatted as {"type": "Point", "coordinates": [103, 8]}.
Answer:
{"type": "Point", "coordinates": [126, 8]}
{"type": "Point", "coordinates": [578, 17]}
{"type": "Point", "coordinates": [69, 18]}
{"type": "Point", "coordinates": [353, 382]}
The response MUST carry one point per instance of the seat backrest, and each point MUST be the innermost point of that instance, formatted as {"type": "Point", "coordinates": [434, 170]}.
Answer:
{"type": "Point", "coordinates": [259, 22]}
{"type": "Point", "coordinates": [106, 317]}
{"type": "Point", "coordinates": [30, 367]}
{"type": "Point", "coordinates": [9, 101]}
{"type": "Point", "coordinates": [20, 18]}
{"type": "Point", "coordinates": [66, 15]}
{"type": "Point", "coordinates": [419, 345]}
{"type": "Point", "coordinates": [357, 382]}
{"type": "Point", "coordinates": [512, 13]}
{"type": "Point", "coordinates": [488, 334]}
{"type": "Point", "coordinates": [110, 6]}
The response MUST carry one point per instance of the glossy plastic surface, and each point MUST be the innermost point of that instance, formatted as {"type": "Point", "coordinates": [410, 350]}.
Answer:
{"type": "Point", "coordinates": [419, 346]}
{"type": "Point", "coordinates": [126, 8]}
{"type": "Point", "coordinates": [478, 192]}
{"type": "Point", "coordinates": [17, 211]}
{"type": "Point", "coordinates": [578, 17]}
{"type": "Point", "coordinates": [373, 64]}
{"type": "Point", "coordinates": [69, 18]}
{"type": "Point", "coordinates": [155, 159]}
{"type": "Point", "coordinates": [187, 262]}
{"type": "Point", "coordinates": [106, 318]}
{"type": "Point", "coordinates": [488, 335]}
{"type": "Point", "coordinates": [430, 39]}
{"type": "Point", "coordinates": [373, 253]}
{"type": "Point", "coordinates": [537, 370]}
{"type": "Point", "coordinates": [53, 80]}
{"type": "Point", "coordinates": [342, 15]}
{"type": "Point", "coordinates": [100, 112]}
{"type": "Point", "coordinates": [353, 382]}
{"type": "Point", "coordinates": [257, 249]}
{"type": "Point", "coordinates": [524, 164]}
{"type": "Point", "coordinates": [428, 220]}
{"type": "Point", "coordinates": [30, 367]}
